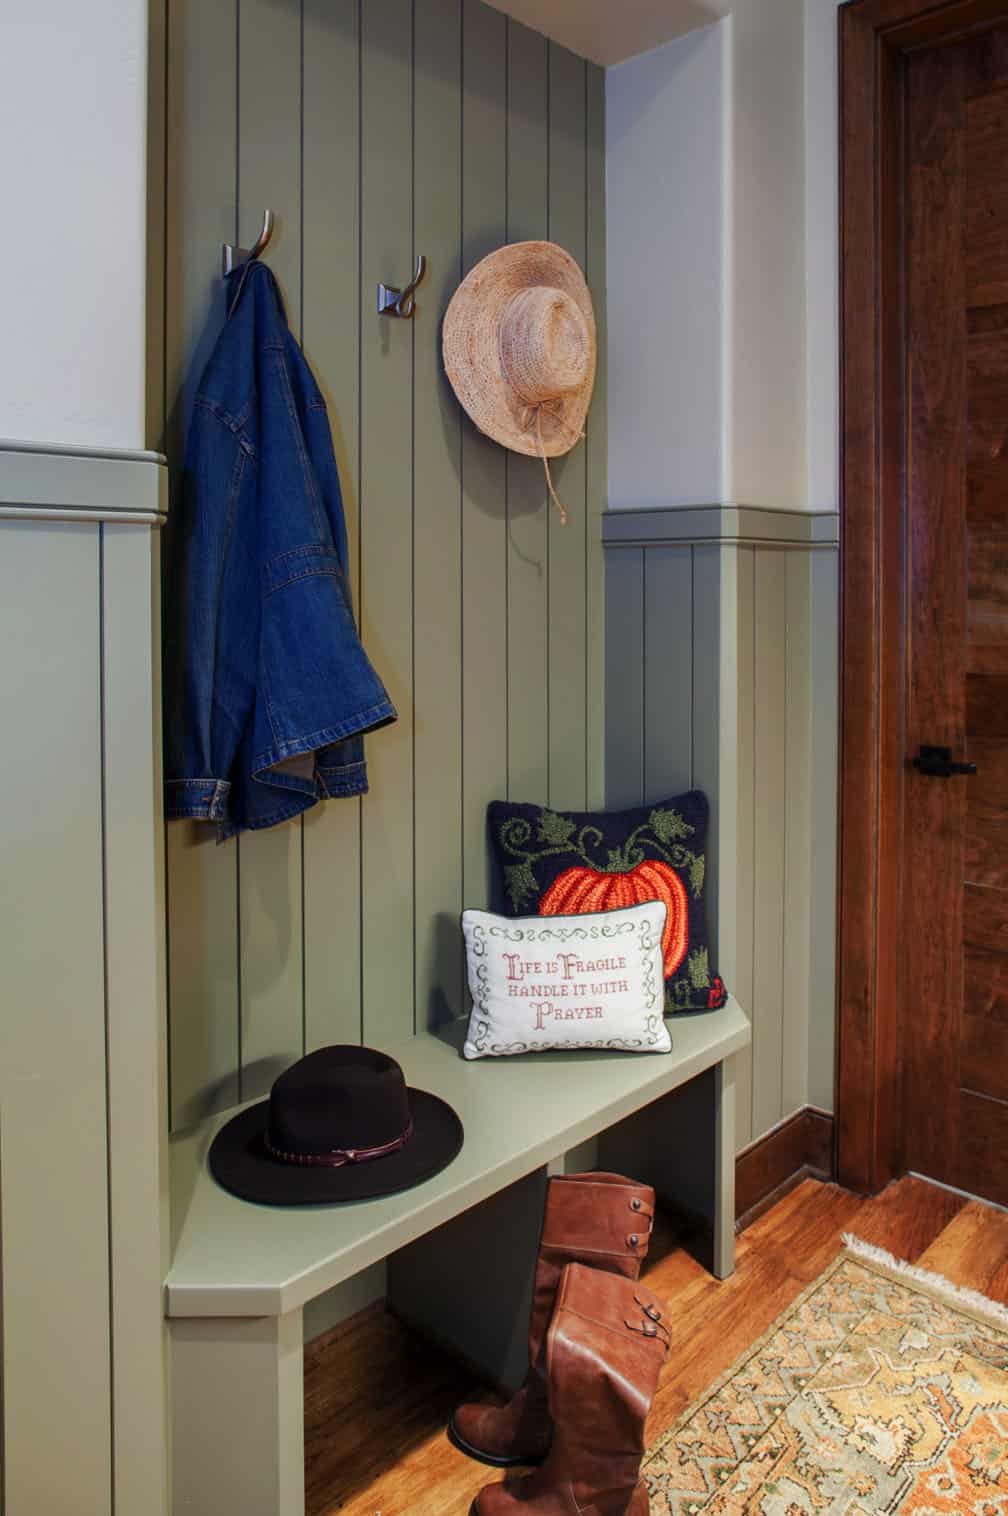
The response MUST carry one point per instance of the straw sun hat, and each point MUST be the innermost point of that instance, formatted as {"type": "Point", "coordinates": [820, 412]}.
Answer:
{"type": "Point", "coordinates": [519, 348]}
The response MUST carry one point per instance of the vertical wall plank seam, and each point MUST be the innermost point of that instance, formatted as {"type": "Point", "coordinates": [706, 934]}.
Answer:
{"type": "Point", "coordinates": [507, 455]}
{"type": "Point", "coordinates": [413, 628]}
{"type": "Point", "coordinates": [301, 306]}
{"type": "Point", "coordinates": [459, 271]}
{"type": "Point", "coordinates": [787, 828]}
{"type": "Point", "coordinates": [461, 547]}
{"type": "Point", "coordinates": [237, 201]}
{"type": "Point", "coordinates": [103, 810]}
{"type": "Point", "coordinates": [548, 506]}
{"type": "Point", "coordinates": [412, 363]}
{"type": "Point", "coordinates": [692, 672]}
{"type": "Point", "coordinates": [239, 1007]}
{"type": "Point", "coordinates": [165, 564]}
{"type": "Point", "coordinates": [360, 459]}
{"type": "Point", "coordinates": [587, 477]}
{"type": "Point", "coordinates": [4, 1504]}
{"type": "Point", "coordinates": [644, 552]}
{"type": "Point", "coordinates": [754, 780]}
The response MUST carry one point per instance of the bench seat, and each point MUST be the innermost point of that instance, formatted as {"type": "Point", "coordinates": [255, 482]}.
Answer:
{"type": "Point", "coordinates": [232, 1258]}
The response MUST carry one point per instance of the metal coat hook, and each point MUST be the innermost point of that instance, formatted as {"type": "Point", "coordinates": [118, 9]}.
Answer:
{"type": "Point", "coordinates": [395, 302]}
{"type": "Point", "coordinates": [234, 257]}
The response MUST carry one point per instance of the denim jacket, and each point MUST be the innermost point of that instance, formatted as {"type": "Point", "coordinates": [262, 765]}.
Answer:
{"type": "Point", "coordinates": [267, 688]}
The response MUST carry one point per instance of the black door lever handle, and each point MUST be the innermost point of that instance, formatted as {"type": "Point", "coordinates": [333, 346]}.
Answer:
{"type": "Point", "coordinates": [936, 763]}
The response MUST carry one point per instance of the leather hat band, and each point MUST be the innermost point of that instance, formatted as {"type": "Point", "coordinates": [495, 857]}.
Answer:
{"type": "Point", "coordinates": [337, 1158]}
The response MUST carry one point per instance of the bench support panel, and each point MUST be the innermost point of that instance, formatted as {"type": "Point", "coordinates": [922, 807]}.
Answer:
{"type": "Point", "coordinates": [468, 1285]}
{"type": "Point", "coordinates": [238, 1406]}
{"type": "Point", "coordinates": [684, 1145]}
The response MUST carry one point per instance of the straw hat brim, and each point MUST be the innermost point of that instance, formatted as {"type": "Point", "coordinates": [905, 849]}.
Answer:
{"type": "Point", "coordinates": [470, 342]}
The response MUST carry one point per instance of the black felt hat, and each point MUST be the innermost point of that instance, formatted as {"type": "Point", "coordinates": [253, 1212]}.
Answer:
{"type": "Point", "coordinates": [339, 1125]}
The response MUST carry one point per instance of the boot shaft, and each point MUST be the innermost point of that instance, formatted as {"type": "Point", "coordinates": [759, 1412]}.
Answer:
{"type": "Point", "coordinates": [603, 1220]}
{"type": "Point", "coordinates": [598, 1216]}
{"type": "Point", "coordinates": [605, 1349]}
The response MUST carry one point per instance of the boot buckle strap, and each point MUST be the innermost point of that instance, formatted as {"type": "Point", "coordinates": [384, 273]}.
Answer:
{"type": "Point", "coordinates": [648, 1308]}
{"type": "Point", "coordinates": [641, 1208]}
{"type": "Point", "coordinates": [651, 1329]}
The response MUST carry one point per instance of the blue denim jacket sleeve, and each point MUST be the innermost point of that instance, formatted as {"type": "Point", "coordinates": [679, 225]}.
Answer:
{"type": "Point", "coordinates": [268, 689]}
{"type": "Point", "coordinates": [210, 646]}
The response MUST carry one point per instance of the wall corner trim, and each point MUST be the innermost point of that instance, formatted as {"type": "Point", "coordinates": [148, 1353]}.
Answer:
{"type": "Point", "coordinates": [50, 482]}
{"type": "Point", "coordinates": [750, 524]}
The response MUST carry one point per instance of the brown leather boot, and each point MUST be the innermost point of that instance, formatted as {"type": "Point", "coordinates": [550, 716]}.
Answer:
{"type": "Point", "coordinates": [604, 1351]}
{"type": "Point", "coordinates": [603, 1220]}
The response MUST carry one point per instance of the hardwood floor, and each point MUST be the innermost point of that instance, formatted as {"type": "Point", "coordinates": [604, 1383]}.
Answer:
{"type": "Point", "coordinates": [377, 1398]}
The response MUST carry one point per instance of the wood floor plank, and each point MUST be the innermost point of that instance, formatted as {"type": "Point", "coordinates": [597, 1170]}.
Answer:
{"type": "Point", "coordinates": [907, 1216]}
{"type": "Point", "coordinates": [377, 1398]}
{"type": "Point", "coordinates": [972, 1251]}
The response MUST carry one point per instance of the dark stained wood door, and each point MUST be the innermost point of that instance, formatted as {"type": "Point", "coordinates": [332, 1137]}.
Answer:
{"type": "Point", "coordinates": [954, 942]}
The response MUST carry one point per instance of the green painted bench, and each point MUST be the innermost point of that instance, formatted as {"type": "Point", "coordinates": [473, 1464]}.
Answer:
{"type": "Point", "coordinates": [242, 1273]}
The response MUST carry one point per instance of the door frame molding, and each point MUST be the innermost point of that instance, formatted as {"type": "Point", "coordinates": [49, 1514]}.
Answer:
{"type": "Point", "coordinates": [875, 36]}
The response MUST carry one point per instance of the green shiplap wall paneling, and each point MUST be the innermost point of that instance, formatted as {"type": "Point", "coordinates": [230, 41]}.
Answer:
{"type": "Point", "coordinates": [721, 674]}
{"type": "Point", "coordinates": [597, 439]}
{"type": "Point", "coordinates": [528, 526]}
{"type": "Point", "coordinates": [769, 822]}
{"type": "Point", "coordinates": [567, 556]}
{"type": "Point", "coordinates": [386, 604]}
{"type": "Point", "coordinates": [377, 132]}
{"type": "Point", "coordinates": [624, 678]}
{"type": "Point", "coordinates": [331, 312]}
{"type": "Point", "coordinates": [201, 213]}
{"type": "Point", "coordinates": [705, 719]}
{"type": "Point", "coordinates": [825, 621]}
{"type": "Point", "coordinates": [739, 775]}
{"type": "Point", "coordinates": [55, 1369]}
{"type": "Point", "coordinates": [668, 667]}
{"type": "Point", "coordinates": [437, 521]}
{"type": "Point", "coordinates": [795, 1066]}
{"type": "Point", "coordinates": [270, 901]}
{"type": "Point", "coordinates": [483, 521]}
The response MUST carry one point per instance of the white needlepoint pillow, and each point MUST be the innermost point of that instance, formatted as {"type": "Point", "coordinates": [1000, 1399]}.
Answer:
{"type": "Point", "coordinates": [540, 982]}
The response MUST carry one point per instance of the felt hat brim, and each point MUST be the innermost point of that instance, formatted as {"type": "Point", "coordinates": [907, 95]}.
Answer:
{"type": "Point", "coordinates": [240, 1162]}
{"type": "Point", "coordinates": [470, 343]}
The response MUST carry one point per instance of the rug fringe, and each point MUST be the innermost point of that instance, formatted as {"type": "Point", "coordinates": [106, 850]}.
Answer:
{"type": "Point", "coordinates": [935, 1284]}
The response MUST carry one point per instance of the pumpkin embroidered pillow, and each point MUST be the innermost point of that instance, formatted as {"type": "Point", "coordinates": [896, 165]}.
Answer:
{"type": "Point", "coordinates": [561, 863]}
{"type": "Point", "coordinates": [592, 981]}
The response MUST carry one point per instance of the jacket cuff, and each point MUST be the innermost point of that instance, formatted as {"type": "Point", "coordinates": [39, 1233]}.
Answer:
{"type": "Point", "coordinates": [204, 799]}
{"type": "Point", "coordinates": [342, 779]}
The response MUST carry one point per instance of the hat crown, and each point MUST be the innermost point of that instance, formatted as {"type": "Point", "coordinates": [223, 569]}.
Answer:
{"type": "Point", "coordinates": [545, 344]}
{"type": "Point", "coordinates": [338, 1099]}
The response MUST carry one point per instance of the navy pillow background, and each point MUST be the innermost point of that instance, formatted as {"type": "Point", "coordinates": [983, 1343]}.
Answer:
{"type": "Point", "coordinates": [534, 845]}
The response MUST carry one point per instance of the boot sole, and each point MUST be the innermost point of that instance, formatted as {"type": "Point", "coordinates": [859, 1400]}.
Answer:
{"type": "Point", "coordinates": [455, 1437]}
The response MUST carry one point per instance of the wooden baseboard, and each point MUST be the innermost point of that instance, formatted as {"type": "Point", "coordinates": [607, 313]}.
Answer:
{"type": "Point", "coordinates": [798, 1148]}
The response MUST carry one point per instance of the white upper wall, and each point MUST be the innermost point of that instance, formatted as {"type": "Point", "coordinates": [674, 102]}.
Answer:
{"type": "Point", "coordinates": [768, 255]}
{"type": "Point", "coordinates": [73, 89]}
{"type": "Point", "coordinates": [666, 270]}
{"type": "Point", "coordinates": [822, 254]}
{"type": "Point", "coordinates": [722, 163]}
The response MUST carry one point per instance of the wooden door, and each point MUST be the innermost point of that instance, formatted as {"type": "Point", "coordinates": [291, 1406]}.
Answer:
{"type": "Point", "coordinates": [953, 949]}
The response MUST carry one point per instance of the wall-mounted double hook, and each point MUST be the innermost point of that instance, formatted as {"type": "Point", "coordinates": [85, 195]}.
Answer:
{"type": "Point", "coordinates": [234, 257]}
{"type": "Point", "coordinates": [395, 302]}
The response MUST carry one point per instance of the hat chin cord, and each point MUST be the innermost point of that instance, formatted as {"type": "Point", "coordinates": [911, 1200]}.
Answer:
{"type": "Point", "coordinates": [532, 415]}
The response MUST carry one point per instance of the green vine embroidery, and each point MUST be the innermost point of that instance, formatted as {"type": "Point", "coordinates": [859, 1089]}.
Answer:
{"type": "Point", "coordinates": [661, 836]}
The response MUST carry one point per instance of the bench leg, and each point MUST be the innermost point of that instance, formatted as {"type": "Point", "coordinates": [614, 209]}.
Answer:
{"type": "Point", "coordinates": [238, 1416]}
{"type": "Point", "coordinates": [724, 1168]}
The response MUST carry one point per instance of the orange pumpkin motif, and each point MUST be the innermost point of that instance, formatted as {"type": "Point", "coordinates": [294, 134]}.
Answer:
{"type": "Point", "coordinates": [578, 891]}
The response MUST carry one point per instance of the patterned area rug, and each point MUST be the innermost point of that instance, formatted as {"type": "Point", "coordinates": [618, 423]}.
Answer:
{"type": "Point", "coordinates": [882, 1389]}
